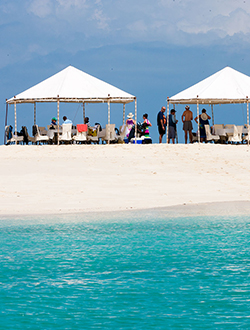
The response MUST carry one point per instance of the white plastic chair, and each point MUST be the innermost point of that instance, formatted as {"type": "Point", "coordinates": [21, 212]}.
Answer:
{"type": "Point", "coordinates": [236, 136]}
{"type": "Point", "coordinates": [66, 133]}
{"type": "Point", "coordinates": [110, 134]}
{"type": "Point", "coordinates": [40, 138]}
{"type": "Point", "coordinates": [240, 130]}
{"type": "Point", "coordinates": [81, 136]}
{"type": "Point", "coordinates": [122, 132]}
{"type": "Point", "coordinates": [218, 129]}
{"type": "Point", "coordinates": [209, 136]}
{"type": "Point", "coordinates": [13, 138]}
{"type": "Point", "coordinates": [229, 126]}
{"type": "Point", "coordinates": [246, 137]}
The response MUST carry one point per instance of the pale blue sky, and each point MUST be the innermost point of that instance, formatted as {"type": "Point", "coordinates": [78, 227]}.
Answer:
{"type": "Point", "coordinates": [152, 49]}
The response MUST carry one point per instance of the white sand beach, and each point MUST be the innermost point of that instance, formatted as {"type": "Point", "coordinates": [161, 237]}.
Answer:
{"type": "Point", "coordinates": [96, 178]}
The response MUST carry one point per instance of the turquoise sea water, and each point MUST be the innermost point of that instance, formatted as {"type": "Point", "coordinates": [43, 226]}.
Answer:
{"type": "Point", "coordinates": [125, 273]}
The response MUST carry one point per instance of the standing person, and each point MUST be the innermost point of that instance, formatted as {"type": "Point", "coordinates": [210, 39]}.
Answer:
{"type": "Point", "coordinates": [161, 122]}
{"type": "Point", "coordinates": [146, 124]}
{"type": "Point", "coordinates": [187, 118]}
{"type": "Point", "coordinates": [130, 122]}
{"type": "Point", "coordinates": [203, 119]}
{"type": "Point", "coordinates": [172, 126]}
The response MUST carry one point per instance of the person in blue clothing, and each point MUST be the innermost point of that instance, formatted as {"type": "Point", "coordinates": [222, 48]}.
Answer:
{"type": "Point", "coordinates": [66, 120]}
{"type": "Point", "coordinates": [172, 126]}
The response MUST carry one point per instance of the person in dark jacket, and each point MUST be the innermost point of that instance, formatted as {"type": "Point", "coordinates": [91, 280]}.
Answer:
{"type": "Point", "coordinates": [172, 126]}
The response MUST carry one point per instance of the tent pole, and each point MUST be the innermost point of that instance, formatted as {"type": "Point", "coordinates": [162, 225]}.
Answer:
{"type": "Point", "coordinates": [6, 121]}
{"type": "Point", "coordinates": [109, 121]}
{"type": "Point", "coordinates": [15, 124]}
{"type": "Point", "coordinates": [123, 118]}
{"type": "Point", "coordinates": [58, 119]}
{"type": "Point", "coordinates": [83, 111]}
{"type": "Point", "coordinates": [198, 120]}
{"type": "Point", "coordinates": [167, 119]}
{"type": "Point", "coordinates": [248, 130]}
{"type": "Point", "coordinates": [35, 113]}
{"type": "Point", "coordinates": [212, 109]}
{"type": "Point", "coordinates": [135, 120]}
{"type": "Point", "coordinates": [176, 135]}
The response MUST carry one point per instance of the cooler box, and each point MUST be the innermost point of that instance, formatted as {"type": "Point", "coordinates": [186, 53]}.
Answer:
{"type": "Point", "coordinates": [138, 141]}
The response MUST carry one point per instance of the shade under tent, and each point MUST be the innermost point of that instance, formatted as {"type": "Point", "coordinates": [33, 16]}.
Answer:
{"type": "Point", "coordinates": [226, 86]}
{"type": "Point", "coordinates": [72, 85]}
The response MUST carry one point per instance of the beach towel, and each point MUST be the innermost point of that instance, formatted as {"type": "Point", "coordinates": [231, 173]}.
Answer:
{"type": "Point", "coordinates": [82, 127]}
{"type": "Point", "coordinates": [92, 131]}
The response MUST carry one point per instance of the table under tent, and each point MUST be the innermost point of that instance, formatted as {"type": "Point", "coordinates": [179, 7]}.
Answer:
{"type": "Point", "coordinates": [71, 85]}
{"type": "Point", "coordinates": [226, 86]}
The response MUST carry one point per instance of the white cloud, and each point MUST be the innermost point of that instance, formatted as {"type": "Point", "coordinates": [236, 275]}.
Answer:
{"type": "Point", "coordinates": [80, 24]}
{"type": "Point", "coordinates": [40, 8]}
{"type": "Point", "coordinates": [72, 3]}
{"type": "Point", "coordinates": [102, 20]}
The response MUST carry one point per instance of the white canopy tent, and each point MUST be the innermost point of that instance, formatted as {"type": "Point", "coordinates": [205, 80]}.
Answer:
{"type": "Point", "coordinates": [73, 86]}
{"type": "Point", "coordinates": [224, 87]}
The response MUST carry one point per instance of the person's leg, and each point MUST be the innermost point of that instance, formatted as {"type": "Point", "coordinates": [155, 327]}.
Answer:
{"type": "Point", "coordinates": [168, 140]}
{"type": "Point", "coordinates": [160, 138]}
{"type": "Point", "coordinates": [173, 140]}
{"type": "Point", "coordinates": [190, 137]}
{"type": "Point", "coordinates": [186, 136]}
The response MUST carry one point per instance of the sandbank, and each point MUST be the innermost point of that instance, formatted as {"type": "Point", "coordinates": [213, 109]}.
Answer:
{"type": "Point", "coordinates": [68, 179]}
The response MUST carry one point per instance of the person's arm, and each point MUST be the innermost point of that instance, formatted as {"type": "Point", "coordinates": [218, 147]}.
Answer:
{"type": "Point", "coordinates": [149, 124]}
{"type": "Point", "coordinates": [182, 117]}
{"type": "Point", "coordinates": [195, 119]}
{"type": "Point", "coordinates": [208, 117]}
{"type": "Point", "coordinates": [162, 125]}
{"type": "Point", "coordinates": [191, 115]}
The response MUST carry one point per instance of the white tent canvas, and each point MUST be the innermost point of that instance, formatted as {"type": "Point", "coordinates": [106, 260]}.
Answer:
{"type": "Point", "coordinates": [225, 86]}
{"type": "Point", "coordinates": [72, 85]}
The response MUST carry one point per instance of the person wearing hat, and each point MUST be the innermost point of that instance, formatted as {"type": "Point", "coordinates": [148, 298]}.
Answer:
{"type": "Point", "coordinates": [172, 126]}
{"type": "Point", "coordinates": [130, 122]}
{"type": "Point", "coordinates": [53, 121]}
{"type": "Point", "coordinates": [203, 119]}
{"type": "Point", "coordinates": [187, 118]}
{"type": "Point", "coordinates": [161, 123]}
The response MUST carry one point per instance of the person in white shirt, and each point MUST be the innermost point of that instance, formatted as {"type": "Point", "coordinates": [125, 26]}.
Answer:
{"type": "Point", "coordinates": [66, 120]}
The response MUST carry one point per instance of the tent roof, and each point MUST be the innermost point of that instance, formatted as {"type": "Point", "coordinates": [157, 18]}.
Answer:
{"type": "Point", "coordinates": [225, 86]}
{"type": "Point", "coordinates": [72, 85]}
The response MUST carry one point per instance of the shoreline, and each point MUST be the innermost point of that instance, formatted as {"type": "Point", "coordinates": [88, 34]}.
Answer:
{"type": "Point", "coordinates": [236, 208]}
{"type": "Point", "coordinates": [76, 179]}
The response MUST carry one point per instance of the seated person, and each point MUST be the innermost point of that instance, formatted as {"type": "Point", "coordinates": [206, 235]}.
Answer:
{"type": "Point", "coordinates": [86, 121]}
{"type": "Point", "coordinates": [54, 121]}
{"type": "Point", "coordinates": [66, 120]}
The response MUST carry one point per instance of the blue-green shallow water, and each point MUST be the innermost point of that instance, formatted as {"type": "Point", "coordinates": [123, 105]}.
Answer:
{"type": "Point", "coordinates": [164, 273]}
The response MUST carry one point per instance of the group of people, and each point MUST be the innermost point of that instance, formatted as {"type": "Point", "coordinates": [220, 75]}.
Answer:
{"type": "Point", "coordinates": [186, 118]}
{"type": "Point", "coordinates": [130, 122]}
